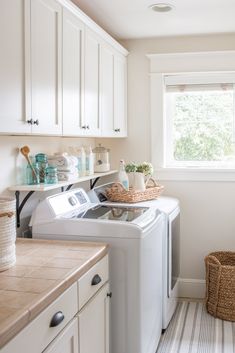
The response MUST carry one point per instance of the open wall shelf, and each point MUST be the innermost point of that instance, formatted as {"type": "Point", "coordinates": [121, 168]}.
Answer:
{"type": "Point", "coordinates": [63, 185]}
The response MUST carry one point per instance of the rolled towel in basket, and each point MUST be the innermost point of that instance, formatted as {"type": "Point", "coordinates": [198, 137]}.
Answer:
{"type": "Point", "coordinates": [63, 160]}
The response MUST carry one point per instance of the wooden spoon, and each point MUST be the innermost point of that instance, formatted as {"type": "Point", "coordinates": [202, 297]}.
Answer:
{"type": "Point", "coordinates": [25, 152]}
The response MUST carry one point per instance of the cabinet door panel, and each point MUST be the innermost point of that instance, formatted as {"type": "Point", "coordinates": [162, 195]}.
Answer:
{"type": "Point", "coordinates": [12, 73]}
{"type": "Point", "coordinates": [94, 324]}
{"type": "Point", "coordinates": [91, 114]}
{"type": "Point", "coordinates": [46, 25]}
{"type": "Point", "coordinates": [73, 39]}
{"type": "Point", "coordinates": [120, 96]}
{"type": "Point", "coordinates": [66, 341]}
{"type": "Point", "coordinates": [107, 91]}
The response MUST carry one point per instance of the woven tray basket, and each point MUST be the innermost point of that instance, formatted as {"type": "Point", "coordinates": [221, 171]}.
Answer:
{"type": "Point", "coordinates": [220, 284]}
{"type": "Point", "coordinates": [7, 233]}
{"type": "Point", "coordinates": [117, 193]}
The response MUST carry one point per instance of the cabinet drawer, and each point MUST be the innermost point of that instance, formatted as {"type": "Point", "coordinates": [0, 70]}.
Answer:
{"type": "Point", "coordinates": [92, 280]}
{"type": "Point", "coordinates": [38, 334]}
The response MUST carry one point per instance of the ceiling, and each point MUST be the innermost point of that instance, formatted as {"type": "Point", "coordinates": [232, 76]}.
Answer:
{"type": "Point", "coordinates": [125, 19]}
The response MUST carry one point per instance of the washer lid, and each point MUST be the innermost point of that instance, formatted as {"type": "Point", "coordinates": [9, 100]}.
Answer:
{"type": "Point", "coordinates": [112, 213]}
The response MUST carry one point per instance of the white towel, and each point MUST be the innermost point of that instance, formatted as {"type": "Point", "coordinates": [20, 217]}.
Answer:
{"type": "Point", "coordinates": [63, 160]}
{"type": "Point", "coordinates": [72, 170]}
{"type": "Point", "coordinates": [64, 176]}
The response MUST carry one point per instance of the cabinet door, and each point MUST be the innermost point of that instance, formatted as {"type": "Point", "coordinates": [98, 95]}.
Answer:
{"type": "Point", "coordinates": [91, 121]}
{"type": "Point", "coordinates": [107, 90]}
{"type": "Point", "coordinates": [73, 51]}
{"type": "Point", "coordinates": [93, 322]}
{"type": "Point", "coordinates": [46, 33]}
{"type": "Point", "coordinates": [120, 96]}
{"type": "Point", "coordinates": [12, 74]}
{"type": "Point", "coordinates": [66, 341]}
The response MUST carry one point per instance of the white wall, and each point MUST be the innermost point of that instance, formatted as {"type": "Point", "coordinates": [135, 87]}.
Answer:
{"type": "Point", "coordinates": [207, 208]}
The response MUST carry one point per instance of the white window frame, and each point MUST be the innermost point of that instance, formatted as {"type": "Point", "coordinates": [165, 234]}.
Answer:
{"type": "Point", "coordinates": [192, 64]}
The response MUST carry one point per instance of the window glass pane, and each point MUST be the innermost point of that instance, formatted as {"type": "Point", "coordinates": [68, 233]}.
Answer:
{"type": "Point", "coordinates": [201, 125]}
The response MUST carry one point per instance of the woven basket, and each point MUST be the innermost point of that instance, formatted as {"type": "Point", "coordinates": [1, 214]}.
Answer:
{"type": "Point", "coordinates": [7, 233]}
{"type": "Point", "coordinates": [117, 193]}
{"type": "Point", "coordinates": [220, 284]}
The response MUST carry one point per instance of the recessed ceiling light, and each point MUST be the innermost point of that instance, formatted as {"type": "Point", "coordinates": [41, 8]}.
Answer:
{"type": "Point", "coordinates": [161, 7]}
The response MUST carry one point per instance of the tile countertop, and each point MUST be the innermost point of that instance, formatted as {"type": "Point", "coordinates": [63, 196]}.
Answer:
{"type": "Point", "coordinates": [44, 269]}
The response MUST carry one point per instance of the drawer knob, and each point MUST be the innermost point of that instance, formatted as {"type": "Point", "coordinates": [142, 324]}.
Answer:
{"type": "Point", "coordinates": [95, 280]}
{"type": "Point", "coordinates": [57, 319]}
{"type": "Point", "coordinates": [109, 294]}
{"type": "Point", "coordinates": [36, 122]}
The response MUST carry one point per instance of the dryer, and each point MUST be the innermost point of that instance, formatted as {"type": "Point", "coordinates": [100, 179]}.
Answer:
{"type": "Point", "coordinates": [170, 208]}
{"type": "Point", "coordinates": [135, 236]}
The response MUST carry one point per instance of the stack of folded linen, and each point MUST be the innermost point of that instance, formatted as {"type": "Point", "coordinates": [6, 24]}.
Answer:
{"type": "Point", "coordinates": [66, 166]}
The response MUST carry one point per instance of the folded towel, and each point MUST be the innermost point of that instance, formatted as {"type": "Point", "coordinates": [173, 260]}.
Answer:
{"type": "Point", "coordinates": [72, 170]}
{"type": "Point", "coordinates": [64, 176]}
{"type": "Point", "coordinates": [63, 160]}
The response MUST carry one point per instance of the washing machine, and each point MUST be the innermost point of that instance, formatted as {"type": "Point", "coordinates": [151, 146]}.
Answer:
{"type": "Point", "coordinates": [171, 247]}
{"type": "Point", "coordinates": [135, 236]}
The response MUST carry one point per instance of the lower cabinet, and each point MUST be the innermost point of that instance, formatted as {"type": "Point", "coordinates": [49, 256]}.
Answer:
{"type": "Point", "coordinates": [66, 341]}
{"type": "Point", "coordinates": [93, 321]}
{"type": "Point", "coordinates": [76, 322]}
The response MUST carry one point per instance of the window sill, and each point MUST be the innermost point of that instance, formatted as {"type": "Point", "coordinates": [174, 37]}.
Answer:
{"type": "Point", "coordinates": [195, 174]}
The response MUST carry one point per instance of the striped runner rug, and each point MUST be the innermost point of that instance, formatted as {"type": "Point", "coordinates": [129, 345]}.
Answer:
{"type": "Point", "coordinates": [193, 330]}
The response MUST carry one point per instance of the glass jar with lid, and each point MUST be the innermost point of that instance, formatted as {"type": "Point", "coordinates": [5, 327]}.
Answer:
{"type": "Point", "coordinates": [41, 159]}
{"type": "Point", "coordinates": [51, 175]}
{"type": "Point", "coordinates": [101, 159]}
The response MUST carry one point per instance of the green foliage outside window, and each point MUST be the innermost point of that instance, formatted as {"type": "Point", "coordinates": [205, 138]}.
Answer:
{"type": "Point", "coordinates": [203, 126]}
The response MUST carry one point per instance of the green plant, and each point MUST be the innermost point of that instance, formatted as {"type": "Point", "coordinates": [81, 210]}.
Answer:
{"type": "Point", "coordinates": [131, 167]}
{"type": "Point", "coordinates": [146, 168]}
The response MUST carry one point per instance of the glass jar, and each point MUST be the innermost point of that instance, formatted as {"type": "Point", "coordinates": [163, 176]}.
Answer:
{"type": "Point", "coordinates": [51, 175]}
{"type": "Point", "coordinates": [41, 159]}
{"type": "Point", "coordinates": [32, 176]}
{"type": "Point", "coordinates": [101, 159]}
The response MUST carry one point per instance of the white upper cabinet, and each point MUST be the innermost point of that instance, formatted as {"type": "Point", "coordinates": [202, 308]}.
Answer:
{"type": "Point", "coordinates": [113, 93]}
{"type": "Point", "coordinates": [73, 74]}
{"type": "Point", "coordinates": [91, 119]}
{"type": "Point", "coordinates": [45, 65]}
{"type": "Point", "coordinates": [12, 74]}
{"type": "Point", "coordinates": [107, 90]}
{"type": "Point", "coordinates": [120, 96]}
{"type": "Point", "coordinates": [60, 73]}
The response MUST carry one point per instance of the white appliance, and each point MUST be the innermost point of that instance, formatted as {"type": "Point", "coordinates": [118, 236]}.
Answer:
{"type": "Point", "coordinates": [135, 237]}
{"type": "Point", "coordinates": [171, 247]}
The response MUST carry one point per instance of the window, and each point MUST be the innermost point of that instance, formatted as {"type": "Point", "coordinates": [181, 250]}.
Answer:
{"type": "Point", "coordinates": [199, 120]}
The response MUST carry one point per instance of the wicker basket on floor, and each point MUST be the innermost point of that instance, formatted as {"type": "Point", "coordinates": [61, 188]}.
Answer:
{"type": "Point", "coordinates": [7, 233]}
{"type": "Point", "coordinates": [220, 284]}
{"type": "Point", "coordinates": [117, 193]}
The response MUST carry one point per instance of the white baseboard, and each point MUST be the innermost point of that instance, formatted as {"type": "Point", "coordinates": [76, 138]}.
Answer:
{"type": "Point", "coordinates": [192, 288]}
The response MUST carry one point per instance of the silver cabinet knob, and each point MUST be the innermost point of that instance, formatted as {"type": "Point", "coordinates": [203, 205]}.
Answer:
{"type": "Point", "coordinates": [117, 130]}
{"type": "Point", "coordinates": [84, 127]}
{"type": "Point", "coordinates": [36, 122]}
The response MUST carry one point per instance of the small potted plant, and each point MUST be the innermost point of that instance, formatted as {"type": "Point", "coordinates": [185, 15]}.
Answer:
{"type": "Point", "coordinates": [139, 174]}
{"type": "Point", "coordinates": [131, 169]}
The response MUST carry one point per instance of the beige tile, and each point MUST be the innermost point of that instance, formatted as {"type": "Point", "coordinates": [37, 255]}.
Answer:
{"type": "Point", "coordinates": [62, 263]}
{"type": "Point", "coordinates": [17, 271]}
{"type": "Point", "coordinates": [30, 260]}
{"type": "Point", "coordinates": [16, 299]}
{"type": "Point", "coordinates": [5, 312]}
{"type": "Point", "coordinates": [48, 273]}
{"type": "Point", "coordinates": [25, 284]}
